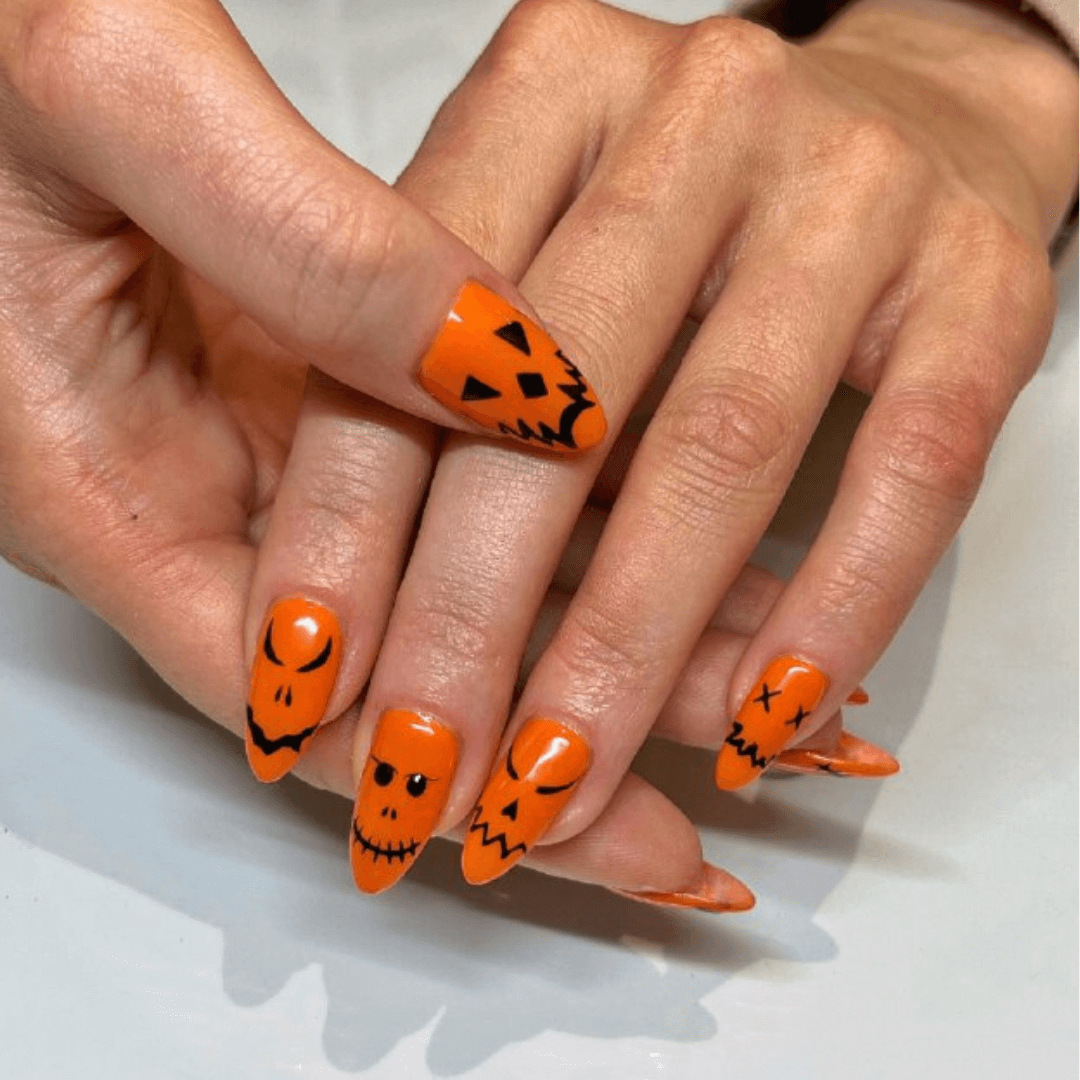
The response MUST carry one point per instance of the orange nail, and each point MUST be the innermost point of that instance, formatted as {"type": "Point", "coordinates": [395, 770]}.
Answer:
{"type": "Point", "coordinates": [523, 796]}
{"type": "Point", "coordinates": [715, 890]}
{"type": "Point", "coordinates": [402, 793]}
{"type": "Point", "coordinates": [782, 699]}
{"type": "Point", "coordinates": [858, 696]}
{"type": "Point", "coordinates": [851, 756]}
{"type": "Point", "coordinates": [494, 365]}
{"type": "Point", "coordinates": [299, 652]}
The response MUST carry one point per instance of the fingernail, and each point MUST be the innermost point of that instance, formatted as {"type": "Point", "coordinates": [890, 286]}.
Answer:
{"type": "Point", "coordinates": [495, 366]}
{"type": "Point", "coordinates": [715, 890]}
{"type": "Point", "coordinates": [523, 796]}
{"type": "Point", "coordinates": [851, 756]}
{"type": "Point", "coordinates": [297, 660]}
{"type": "Point", "coordinates": [858, 696]}
{"type": "Point", "coordinates": [402, 793]}
{"type": "Point", "coordinates": [784, 696]}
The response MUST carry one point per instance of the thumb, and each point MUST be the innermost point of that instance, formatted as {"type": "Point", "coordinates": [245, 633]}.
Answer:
{"type": "Point", "coordinates": [164, 111]}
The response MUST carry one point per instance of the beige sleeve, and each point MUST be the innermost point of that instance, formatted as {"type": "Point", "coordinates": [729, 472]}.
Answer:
{"type": "Point", "coordinates": [796, 18]}
{"type": "Point", "coordinates": [1064, 15]}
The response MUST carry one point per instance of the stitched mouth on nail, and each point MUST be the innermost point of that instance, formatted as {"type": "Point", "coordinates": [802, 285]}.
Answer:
{"type": "Point", "coordinates": [389, 852]}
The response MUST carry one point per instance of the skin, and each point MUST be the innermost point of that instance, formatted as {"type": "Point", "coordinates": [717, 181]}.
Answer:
{"type": "Point", "coordinates": [155, 340]}
{"type": "Point", "coordinates": [872, 207]}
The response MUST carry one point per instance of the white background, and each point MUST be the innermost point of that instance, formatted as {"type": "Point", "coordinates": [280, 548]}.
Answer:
{"type": "Point", "coordinates": [164, 916]}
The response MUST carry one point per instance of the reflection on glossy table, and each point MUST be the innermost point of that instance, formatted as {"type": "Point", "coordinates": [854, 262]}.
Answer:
{"type": "Point", "coordinates": [164, 916]}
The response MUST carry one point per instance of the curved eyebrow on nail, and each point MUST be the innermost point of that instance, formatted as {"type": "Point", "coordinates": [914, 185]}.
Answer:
{"type": "Point", "coordinates": [510, 763]}
{"type": "Point", "coordinates": [321, 659]}
{"type": "Point", "coordinates": [544, 789]}
{"type": "Point", "coordinates": [268, 646]}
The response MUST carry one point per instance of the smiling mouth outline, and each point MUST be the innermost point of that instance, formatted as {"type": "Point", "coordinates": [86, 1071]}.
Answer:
{"type": "Point", "coordinates": [402, 852]}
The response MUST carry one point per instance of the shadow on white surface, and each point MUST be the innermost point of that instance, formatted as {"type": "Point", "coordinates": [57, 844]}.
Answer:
{"type": "Point", "coordinates": [108, 769]}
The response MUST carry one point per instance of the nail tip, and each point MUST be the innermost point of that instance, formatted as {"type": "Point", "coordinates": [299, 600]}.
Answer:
{"type": "Point", "coordinates": [266, 772]}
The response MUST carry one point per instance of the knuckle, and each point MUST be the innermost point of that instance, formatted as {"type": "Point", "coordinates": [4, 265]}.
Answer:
{"type": "Point", "coordinates": [450, 626]}
{"type": "Point", "coordinates": [1003, 264]}
{"type": "Point", "coordinates": [54, 43]}
{"type": "Point", "coordinates": [334, 251]}
{"type": "Point", "coordinates": [935, 441]}
{"type": "Point", "coordinates": [732, 57]}
{"type": "Point", "coordinates": [538, 37]}
{"type": "Point", "coordinates": [866, 576]}
{"type": "Point", "coordinates": [604, 651]}
{"type": "Point", "coordinates": [873, 156]}
{"type": "Point", "coordinates": [723, 438]}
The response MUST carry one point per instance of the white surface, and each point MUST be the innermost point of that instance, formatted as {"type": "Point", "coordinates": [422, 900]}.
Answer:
{"type": "Point", "coordinates": [163, 916]}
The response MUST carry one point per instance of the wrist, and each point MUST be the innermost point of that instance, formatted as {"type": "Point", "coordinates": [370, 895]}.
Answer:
{"type": "Point", "coordinates": [1001, 95]}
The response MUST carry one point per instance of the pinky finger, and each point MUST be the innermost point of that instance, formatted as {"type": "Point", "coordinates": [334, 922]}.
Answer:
{"type": "Point", "coordinates": [644, 848]}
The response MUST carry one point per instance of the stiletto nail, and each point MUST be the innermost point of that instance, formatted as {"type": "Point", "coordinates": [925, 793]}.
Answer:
{"type": "Point", "coordinates": [299, 652]}
{"type": "Point", "coordinates": [858, 696]}
{"type": "Point", "coordinates": [851, 756]}
{"type": "Point", "coordinates": [784, 696]}
{"type": "Point", "coordinates": [715, 890]}
{"type": "Point", "coordinates": [402, 793]}
{"type": "Point", "coordinates": [495, 366]}
{"type": "Point", "coordinates": [522, 797]}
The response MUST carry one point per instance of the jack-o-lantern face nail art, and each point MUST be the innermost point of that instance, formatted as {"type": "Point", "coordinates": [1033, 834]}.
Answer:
{"type": "Point", "coordinates": [782, 699]}
{"type": "Point", "coordinates": [523, 796]}
{"type": "Point", "coordinates": [494, 365]}
{"type": "Point", "coordinates": [402, 793]}
{"type": "Point", "coordinates": [851, 756]}
{"type": "Point", "coordinates": [292, 678]}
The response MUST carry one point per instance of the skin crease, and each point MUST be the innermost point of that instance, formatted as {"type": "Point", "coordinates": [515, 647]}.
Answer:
{"type": "Point", "coordinates": [158, 413]}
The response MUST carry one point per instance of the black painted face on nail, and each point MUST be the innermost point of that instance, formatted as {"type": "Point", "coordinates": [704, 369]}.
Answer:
{"type": "Point", "coordinates": [292, 679]}
{"type": "Point", "coordinates": [398, 809]}
{"type": "Point", "coordinates": [510, 796]}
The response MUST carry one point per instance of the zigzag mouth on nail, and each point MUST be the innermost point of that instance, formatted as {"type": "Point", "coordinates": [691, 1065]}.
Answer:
{"type": "Point", "coordinates": [268, 746]}
{"type": "Point", "coordinates": [486, 839]}
{"type": "Point", "coordinates": [370, 847]}
{"type": "Point", "coordinates": [746, 749]}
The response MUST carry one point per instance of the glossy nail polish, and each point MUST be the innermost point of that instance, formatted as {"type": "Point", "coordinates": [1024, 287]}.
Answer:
{"type": "Point", "coordinates": [292, 678]}
{"type": "Point", "coordinates": [858, 696]}
{"type": "Point", "coordinates": [402, 793]}
{"type": "Point", "coordinates": [715, 891]}
{"type": "Point", "coordinates": [495, 366]}
{"type": "Point", "coordinates": [782, 699]}
{"type": "Point", "coordinates": [522, 797]}
{"type": "Point", "coordinates": [851, 756]}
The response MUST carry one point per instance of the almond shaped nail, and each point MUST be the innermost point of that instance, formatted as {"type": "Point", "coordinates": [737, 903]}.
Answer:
{"type": "Point", "coordinates": [851, 756]}
{"type": "Point", "coordinates": [292, 678]}
{"type": "Point", "coordinates": [522, 797]}
{"type": "Point", "coordinates": [495, 366]}
{"type": "Point", "coordinates": [401, 797]}
{"type": "Point", "coordinates": [715, 891]}
{"type": "Point", "coordinates": [784, 696]}
{"type": "Point", "coordinates": [858, 696]}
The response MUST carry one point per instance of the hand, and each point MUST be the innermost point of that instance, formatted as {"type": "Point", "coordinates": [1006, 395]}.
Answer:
{"type": "Point", "coordinates": [177, 244]}
{"type": "Point", "coordinates": [873, 207]}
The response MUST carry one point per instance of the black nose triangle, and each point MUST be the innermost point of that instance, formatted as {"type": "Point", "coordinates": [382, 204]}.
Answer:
{"type": "Point", "coordinates": [510, 810]}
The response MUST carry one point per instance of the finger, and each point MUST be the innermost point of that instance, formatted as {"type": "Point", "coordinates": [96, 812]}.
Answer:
{"type": "Point", "coordinates": [164, 112]}
{"type": "Point", "coordinates": [964, 349]}
{"type": "Point", "coordinates": [328, 566]}
{"type": "Point", "coordinates": [436, 662]}
{"type": "Point", "coordinates": [642, 846]}
{"type": "Point", "coordinates": [495, 523]}
{"type": "Point", "coordinates": [710, 472]}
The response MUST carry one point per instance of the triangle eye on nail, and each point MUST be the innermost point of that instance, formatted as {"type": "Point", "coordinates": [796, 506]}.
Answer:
{"type": "Point", "coordinates": [513, 333]}
{"type": "Point", "coordinates": [475, 390]}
